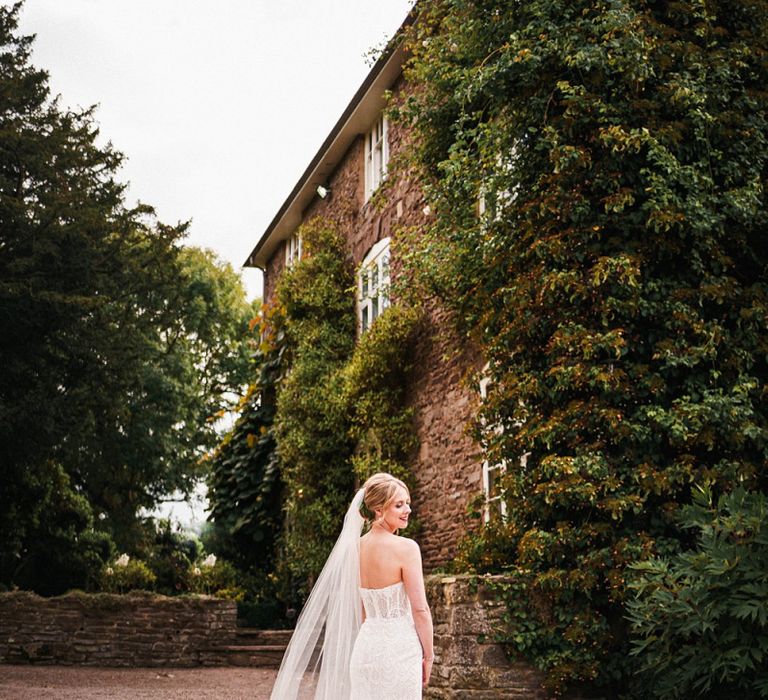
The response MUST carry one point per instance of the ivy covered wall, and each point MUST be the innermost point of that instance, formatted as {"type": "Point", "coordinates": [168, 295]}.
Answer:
{"type": "Point", "coordinates": [598, 177]}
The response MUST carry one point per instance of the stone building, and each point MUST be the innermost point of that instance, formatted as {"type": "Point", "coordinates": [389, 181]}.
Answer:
{"type": "Point", "coordinates": [338, 184]}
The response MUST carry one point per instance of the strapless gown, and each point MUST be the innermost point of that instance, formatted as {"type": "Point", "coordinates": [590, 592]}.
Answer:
{"type": "Point", "coordinates": [386, 659]}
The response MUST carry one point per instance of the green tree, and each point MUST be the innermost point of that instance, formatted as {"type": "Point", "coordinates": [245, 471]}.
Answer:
{"type": "Point", "coordinates": [117, 345]}
{"type": "Point", "coordinates": [598, 177]}
{"type": "Point", "coordinates": [74, 262]}
{"type": "Point", "coordinates": [244, 485]}
{"type": "Point", "coordinates": [192, 368]}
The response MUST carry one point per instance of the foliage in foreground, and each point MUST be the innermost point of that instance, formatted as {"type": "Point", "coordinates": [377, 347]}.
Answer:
{"type": "Point", "coordinates": [700, 618]}
{"type": "Point", "coordinates": [598, 177]}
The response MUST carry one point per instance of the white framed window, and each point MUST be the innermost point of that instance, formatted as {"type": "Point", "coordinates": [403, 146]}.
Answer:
{"type": "Point", "coordinates": [491, 200]}
{"type": "Point", "coordinates": [293, 250]}
{"type": "Point", "coordinates": [495, 507]}
{"type": "Point", "coordinates": [376, 156]}
{"type": "Point", "coordinates": [373, 285]}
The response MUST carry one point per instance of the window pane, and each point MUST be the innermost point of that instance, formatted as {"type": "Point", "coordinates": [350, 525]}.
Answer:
{"type": "Point", "coordinates": [373, 282]}
{"type": "Point", "coordinates": [364, 319]}
{"type": "Point", "coordinates": [368, 164]}
{"type": "Point", "coordinates": [377, 165]}
{"type": "Point", "coordinates": [375, 154]}
{"type": "Point", "coordinates": [495, 510]}
{"type": "Point", "coordinates": [494, 483]}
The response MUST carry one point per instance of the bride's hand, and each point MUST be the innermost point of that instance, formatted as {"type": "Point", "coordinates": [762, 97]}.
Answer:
{"type": "Point", "coordinates": [426, 670]}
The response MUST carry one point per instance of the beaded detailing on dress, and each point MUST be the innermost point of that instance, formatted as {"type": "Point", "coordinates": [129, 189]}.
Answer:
{"type": "Point", "coordinates": [386, 660]}
{"type": "Point", "coordinates": [386, 603]}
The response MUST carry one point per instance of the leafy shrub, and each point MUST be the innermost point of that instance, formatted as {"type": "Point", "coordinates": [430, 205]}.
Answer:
{"type": "Point", "coordinates": [216, 577]}
{"type": "Point", "coordinates": [263, 604]}
{"type": "Point", "coordinates": [170, 555]}
{"type": "Point", "coordinates": [700, 618]}
{"type": "Point", "coordinates": [63, 548]}
{"type": "Point", "coordinates": [126, 574]}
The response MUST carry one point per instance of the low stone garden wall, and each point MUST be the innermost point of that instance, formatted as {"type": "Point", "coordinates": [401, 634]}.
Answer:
{"type": "Point", "coordinates": [144, 629]}
{"type": "Point", "coordinates": [137, 629]}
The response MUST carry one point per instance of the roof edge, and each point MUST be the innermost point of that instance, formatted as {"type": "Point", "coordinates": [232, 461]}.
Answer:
{"type": "Point", "coordinates": [394, 52]}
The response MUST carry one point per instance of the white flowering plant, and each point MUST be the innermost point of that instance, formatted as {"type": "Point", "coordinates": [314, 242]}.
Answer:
{"type": "Point", "coordinates": [212, 576]}
{"type": "Point", "coordinates": [126, 574]}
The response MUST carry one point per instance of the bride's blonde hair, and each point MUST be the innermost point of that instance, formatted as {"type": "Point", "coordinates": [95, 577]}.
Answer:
{"type": "Point", "coordinates": [380, 490]}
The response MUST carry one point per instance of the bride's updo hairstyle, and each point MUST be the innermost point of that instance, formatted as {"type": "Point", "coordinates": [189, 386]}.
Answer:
{"type": "Point", "coordinates": [380, 490]}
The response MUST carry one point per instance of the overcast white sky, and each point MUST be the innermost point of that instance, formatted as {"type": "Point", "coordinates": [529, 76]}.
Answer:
{"type": "Point", "coordinates": [218, 106]}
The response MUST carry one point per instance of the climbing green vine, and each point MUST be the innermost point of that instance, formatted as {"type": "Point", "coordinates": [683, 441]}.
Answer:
{"type": "Point", "coordinates": [375, 385]}
{"type": "Point", "coordinates": [324, 414]}
{"type": "Point", "coordinates": [598, 175]}
{"type": "Point", "coordinates": [341, 412]}
{"type": "Point", "coordinates": [244, 486]}
{"type": "Point", "coordinates": [311, 426]}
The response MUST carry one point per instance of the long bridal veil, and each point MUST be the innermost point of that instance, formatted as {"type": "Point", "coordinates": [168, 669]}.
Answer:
{"type": "Point", "coordinates": [333, 610]}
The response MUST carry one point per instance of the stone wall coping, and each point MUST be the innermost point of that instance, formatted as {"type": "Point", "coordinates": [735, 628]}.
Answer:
{"type": "Point", "coordinates": [433, 581]}
{"type": "Point", "coordinates": [107, 600]}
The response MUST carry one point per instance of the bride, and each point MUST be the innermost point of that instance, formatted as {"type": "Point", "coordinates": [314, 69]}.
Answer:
{"type": "Point", "coordinates": [369, 608]}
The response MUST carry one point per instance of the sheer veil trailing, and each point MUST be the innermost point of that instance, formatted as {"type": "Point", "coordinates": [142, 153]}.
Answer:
{"type": "Point", "coordinates": [333, 613]}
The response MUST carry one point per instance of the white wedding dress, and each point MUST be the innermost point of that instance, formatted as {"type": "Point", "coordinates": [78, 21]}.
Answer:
{"type": "Point", "coordinates": [386, 659]}
{"type": "Point", "coordinates": [378, 660]}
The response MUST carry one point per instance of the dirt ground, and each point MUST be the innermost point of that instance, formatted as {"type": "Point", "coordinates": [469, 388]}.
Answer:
{"type": "Point", "coordinates": [86, 683]}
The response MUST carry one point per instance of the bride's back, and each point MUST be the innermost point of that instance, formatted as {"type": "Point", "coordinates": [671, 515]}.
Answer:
{"type": "Point", "coordinates": [382, 557]}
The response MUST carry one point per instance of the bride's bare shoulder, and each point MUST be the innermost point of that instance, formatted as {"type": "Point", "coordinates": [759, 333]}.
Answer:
{"type": "Point", "coordinates": [402, 545]}
{"type": "Point", "coordinates": [408, 545]}
{"type": "Point", "coordinates": [405, 547]}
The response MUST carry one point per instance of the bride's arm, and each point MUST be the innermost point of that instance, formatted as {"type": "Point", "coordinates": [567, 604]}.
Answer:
{"type": "Point", "coordinates": [413, 578]}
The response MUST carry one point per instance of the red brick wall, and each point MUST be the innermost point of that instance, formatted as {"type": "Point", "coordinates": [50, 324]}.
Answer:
{"type": "Point", "coordinates": [447, 467]}
{"type": "Point", "coordinates": [275, 266]}
{"type": "Point", "coordinates": [446, 470]}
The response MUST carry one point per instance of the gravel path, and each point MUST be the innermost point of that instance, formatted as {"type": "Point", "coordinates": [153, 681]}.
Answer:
{"type": "Point", "coordinates": [87, 683]}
